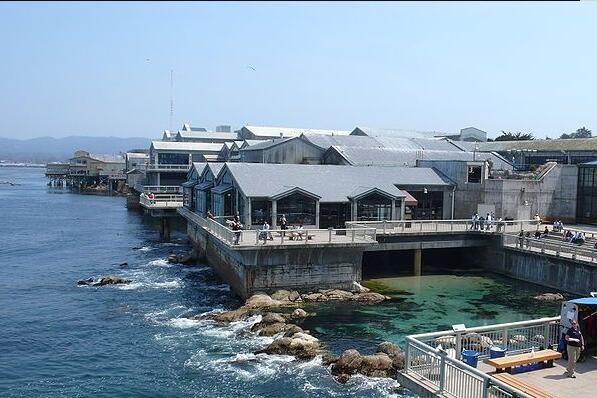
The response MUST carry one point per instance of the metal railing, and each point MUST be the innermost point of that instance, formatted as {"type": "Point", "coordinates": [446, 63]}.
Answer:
{"type": "Point", "coordinates": [441, 226]}
{"type": "Point", "coordinates": [161, 201]}
{"type": "Point", "coordinates": [255, 237]}
{"type": "Point", "coordinates": [162, 189]}
{"type": "Point", "coordinates": [434, 358]}
{"type": "Point", "coordinates": [168, 167]}
{"type": "Point", "coordinates": [552, 246]}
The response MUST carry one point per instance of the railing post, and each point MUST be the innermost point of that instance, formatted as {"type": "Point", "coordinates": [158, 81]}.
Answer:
{"type": "Point", "coordinates": [256, 236]}
{"type": "Point", "coordinates": [384, 227]}
{"type": "Point", "coordinates": [543, 247]}
{"type": "Point", "coordinates": [329, 235]}
{"type": "Point", "coordinates": [442, 372]}
{"type": "Point", "coordinates": [282, 237]}
{"type": "Point", "coordinates": [558, 249]}
{"type": "Point", "coordinates": [403, 225]}
{"type": "Point", "coordinates": [436, 226]}
{"type": "Point", "coordinates": [421, 224]}
{"type": "Point", "coordinates": [451, 226]}
{"type": "Point", "coordinates": [352, 231]}
{"type": "Point", "coordinates": [574, 253]}
{"type": "Point", "coordinates": [459, 345]}
{"type": "Point", "coordinates": [486, 387]}
{"type": "Point", "coordinates": [306, 236]}
{"type": "Point", "coordinates": [407, 355]}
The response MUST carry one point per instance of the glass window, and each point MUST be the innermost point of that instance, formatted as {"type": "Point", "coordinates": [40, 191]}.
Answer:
{"type": "Point", "coordinates": [261, 210]}
{"type": "Point", "coordinates": [173, 158]}
{"type": "Point", "coordinates": [298, 209]}
{"type": "Point", "coordinates": [374, 207]}
{"type": "Point", "coordinates": [474, 174]}
{"type": "Point", "coordinates": [241, 208]}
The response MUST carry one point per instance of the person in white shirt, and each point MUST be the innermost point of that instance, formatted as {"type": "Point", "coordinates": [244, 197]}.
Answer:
{"type": "Point", "coordinates": [264, 232]}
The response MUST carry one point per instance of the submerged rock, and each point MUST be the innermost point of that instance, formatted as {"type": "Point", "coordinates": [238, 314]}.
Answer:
{"type": "Point", "coordinates": [183, 258]}
{"type": "Point", "coordinates": [88, 281]}
{"type": "Point", "coordinates": [550, 297]}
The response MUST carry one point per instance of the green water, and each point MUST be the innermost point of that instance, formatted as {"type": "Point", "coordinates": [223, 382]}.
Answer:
{"type": "Point", "coordinates": [428, 303]}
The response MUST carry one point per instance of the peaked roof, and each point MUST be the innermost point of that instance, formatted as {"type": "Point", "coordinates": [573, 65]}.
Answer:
{"type": "Point", "coordinates": [333, 183]}
{"type": "Point", "coordinates": [277, 132]}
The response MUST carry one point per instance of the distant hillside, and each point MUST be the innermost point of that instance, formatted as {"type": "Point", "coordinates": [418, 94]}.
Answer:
{"type": "Point", "coordinates": [48, 149]}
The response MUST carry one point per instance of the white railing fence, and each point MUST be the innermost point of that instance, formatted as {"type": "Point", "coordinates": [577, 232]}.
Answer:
{"type": "Point", "coordinates": [169, 167]}
{"type": "Point", "coordinates": [219, 228]}
{"type": "Point", "coordinates": [414, 226]}
{"type": "Point", "coordinates": [162, 189]}
{"type": "Point", "coordinates": [553, 246]}
{"type": "Point", "coordinates": [161, 201]}
{"type": "Point", "coordinates": [435, 357]}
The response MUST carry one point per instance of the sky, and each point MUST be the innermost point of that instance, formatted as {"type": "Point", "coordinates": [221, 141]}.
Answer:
{"type": "Point", "coordinates": [103, 69]}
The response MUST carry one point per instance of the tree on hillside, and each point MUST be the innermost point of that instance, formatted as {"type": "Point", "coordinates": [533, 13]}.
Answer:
{"type": "Point", "coordinates": [582, 132]}
{"type": "Point", "coordinates": [508, 136]}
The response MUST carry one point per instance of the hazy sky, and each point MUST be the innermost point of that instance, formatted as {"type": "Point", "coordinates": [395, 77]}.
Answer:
{"type": "Point", "coordinates": [104, 69]}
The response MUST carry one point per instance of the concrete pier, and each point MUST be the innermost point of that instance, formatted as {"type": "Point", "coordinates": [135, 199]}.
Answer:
{"type": "Point", "coordinates": [417, 263]}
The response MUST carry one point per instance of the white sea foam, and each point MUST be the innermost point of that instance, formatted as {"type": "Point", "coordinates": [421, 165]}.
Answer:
{"type": "Point", "coordinates": [145, 249]}
{"type": "Point", "coordinates": [184, 323]}
{"type": "Point", "coordinates": [159, 263]}
{"type": "Point", "coordinates": [383, 387]}
{"type": "Point", "coordinates": [151, 285]}
{"type": "Point", "coordinates": [131, 286]}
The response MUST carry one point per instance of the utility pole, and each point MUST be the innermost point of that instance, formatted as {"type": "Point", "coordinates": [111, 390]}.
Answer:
{"type": "Point", "coordinates": [171, 98]}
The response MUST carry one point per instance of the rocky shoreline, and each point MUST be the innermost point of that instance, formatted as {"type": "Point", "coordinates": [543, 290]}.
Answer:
{"type": "Point", "coordinates": [280, 310]}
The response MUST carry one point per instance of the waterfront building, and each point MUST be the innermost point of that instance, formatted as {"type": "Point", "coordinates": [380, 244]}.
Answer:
{"type": "Point", "coordinates": [169, 162]}
{"type": "Point", "coordinates": [85, 165]}
{"type": "Point", "coordinates": [469, 134]}
{"type": "Point", "coordinates": [318, 196]}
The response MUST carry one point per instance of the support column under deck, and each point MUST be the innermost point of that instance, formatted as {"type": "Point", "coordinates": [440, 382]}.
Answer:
{"type": "Point", "coordinates": [417, 262]}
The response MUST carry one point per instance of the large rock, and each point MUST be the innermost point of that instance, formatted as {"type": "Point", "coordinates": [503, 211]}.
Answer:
{"type": "Point", "coordinates": [386, 362]}
{"type": "Point", "coordinates": [106, 280]}
{"type": "Point", "coordinates": [337, 294]}
{"type": "Point", "coordinates": [294, 296]}
{"type": "Point", "coordinates": [273, 317]}
{"type": "Point", "coordinates": [370, 297]}
{"type": "Point", "coordinates": [300, 345]}
{"type": "Point", "coordinates": [261, 300]}
{"type": "Point", "coordinates": [281, 295]}
{"type": "Point", "coordinates": [270, 329]}
{"type": "Point", "coordinates": [550, 297]}
{"type": "Point", "coordinates": [229, 316]}
{"type": "Point", "coordinates": [390, 349]}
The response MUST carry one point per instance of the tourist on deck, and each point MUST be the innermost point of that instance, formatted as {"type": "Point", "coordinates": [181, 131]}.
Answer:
{"type": "Point", "coordinates": [283, 223]}
{"type": "Point", "coordinates": [488, 221]}
{"type": "Point", "coordinates": [481, 223]}
{"type": "Point", "coordinates": [537, 220]}
{"type": "Point", "coordinates": [264, 232]}
{"type": "Point", "coordinates": [575, 345]}
{"type": "Point", "coordinates": [236, 227]}
{"type": "Point", "coordinates": [499, 225]}
{"type": "Point", "coordinates": [527, 239]}
{"type": "Point", "coordinates": [537, 235]}
{"type": "Point", "coordinates": [474, 221]}
{"type": "Point", "coordinates": [300, 231]}
{"type": "Point", "coordinates": [567, 236]}
{"type": "Point", "coordinates": [520, 238]}
{"type": "Point", "coordinates": [545, 231]}
{"type": "Point", "coordinates": [237, 218]}
{"type": "Point", "coordinates": [210, 216]}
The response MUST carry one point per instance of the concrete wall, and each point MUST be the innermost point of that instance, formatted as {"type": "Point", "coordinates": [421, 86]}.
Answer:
{"type": "Point", "coordinates": [269, 268]}
{"type": "Point", "coordinates": [559, 273]}
{"type": "Point", "coordinates": [553, 196]}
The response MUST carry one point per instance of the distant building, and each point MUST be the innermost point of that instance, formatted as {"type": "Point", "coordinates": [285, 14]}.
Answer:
{"type": "Point", "coordinates": [269, 132]}
{"type": "Point", "coordinates": [469, 134]}
{"type": "Point", "coordinates": [85, 164]}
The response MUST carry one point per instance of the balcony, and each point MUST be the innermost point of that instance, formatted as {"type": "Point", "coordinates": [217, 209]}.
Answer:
{"type": "Point", "coordinates": [172, 168]}
{"type": "Point", "coordinates": [160, 201]}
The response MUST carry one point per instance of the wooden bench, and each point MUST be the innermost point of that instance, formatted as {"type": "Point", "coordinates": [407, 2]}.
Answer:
{"type": "Point", "coordinates": [510, 361]}
{"type": "Point", "coordinates": [523, 386]}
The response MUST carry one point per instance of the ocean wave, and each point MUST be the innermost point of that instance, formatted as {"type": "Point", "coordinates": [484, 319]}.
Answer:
{"type": "Point", "coordinates": [159, 263]}
{"type": "Point", "coordinates": [185, 323]}
{"type": "Point", "coordinates": [145, 249]}
{"type": "Point", "coordinates": [381, 386]}
{"type": "Point", "coordinates": [151, 285]}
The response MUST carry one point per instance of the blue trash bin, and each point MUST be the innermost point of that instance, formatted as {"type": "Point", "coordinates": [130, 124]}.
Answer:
{"type": "Point", "coordinates": [470, 357]}
{"type": "Point", "coordinates": [497, 352]}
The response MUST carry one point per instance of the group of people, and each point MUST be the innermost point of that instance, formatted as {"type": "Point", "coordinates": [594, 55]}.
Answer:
{"type": "Point", "coordinates": [558, 226]}
{"type": "Point", "coordinates": [265, 235]}
{"type": "Point", "coordinates": [578, 237]}
{"type": "Point", "coordinates": [480, 223]}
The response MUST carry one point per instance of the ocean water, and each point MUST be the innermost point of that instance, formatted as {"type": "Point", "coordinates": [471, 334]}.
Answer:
{"type": "Point", "coordinates": [61, 340]}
